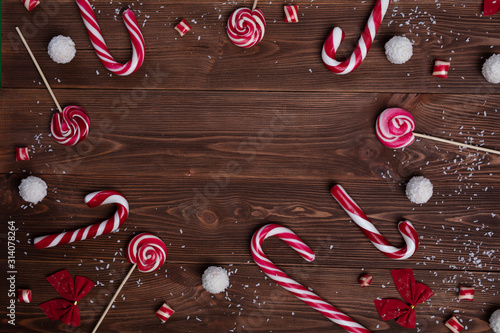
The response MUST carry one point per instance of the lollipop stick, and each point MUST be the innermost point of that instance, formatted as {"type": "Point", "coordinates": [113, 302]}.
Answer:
{"type": "Point", "coordinates": [113, 299]}
{"type": "Point", "coordinates": [39, 69]}
{"type": "Point", "coordinates": [425, 136]}
{"type": "Point", "coordinates": [254, 4]}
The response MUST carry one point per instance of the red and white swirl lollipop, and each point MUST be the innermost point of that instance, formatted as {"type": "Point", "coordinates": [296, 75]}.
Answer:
{"type": "Point", "coordinates": [69, 126]}
{"type": "Point", "coordinates": [148, 253]}
{"type": "Point", "coordinates": [246, 27]}
{"type": "Point", "coordinates": [395, 127]}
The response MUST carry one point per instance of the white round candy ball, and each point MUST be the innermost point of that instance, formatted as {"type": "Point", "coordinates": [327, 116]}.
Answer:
{"type": "Point", "coordinates": [419, 190]}
{"type": "Point", "coordinates": [491, 69]}
{"type": "Point", "coordinates": [495, 321]}
{"type": "Point", "coordinates": [398, 50]}
{"type": "Point", "coordinates": [215, 279]}
{"type": "Point", "coordinates": [62, 49]}
{"type": "Point", "coordinates": [33, 189]}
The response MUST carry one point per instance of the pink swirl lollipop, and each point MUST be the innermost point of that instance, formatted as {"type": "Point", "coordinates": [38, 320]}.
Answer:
{"type": "Point", "coordinates": [71, 126]}
{"type": "Point", "coordinates": [395, 127]}
{"type": "Point", "coordinates": [246, 27]}
{"type": "Point", "coordinates": [147, 252]}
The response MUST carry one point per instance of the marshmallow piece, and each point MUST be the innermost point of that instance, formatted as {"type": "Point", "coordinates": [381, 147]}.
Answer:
{"type": "Point", "coordinates": [441, 68]}
{"type": "Point", "coordinates": [291, 14]}
{"type": "Point", "coordinates": [24, 295]}
{"type": "Point", "coordinates": [22, 154]}
{"type": "Point", "coordinates": [182, 27]}
{"type": "Point", "coordinates": [454, 325]}
{"type": "Point", "coordinates": [164, 312]}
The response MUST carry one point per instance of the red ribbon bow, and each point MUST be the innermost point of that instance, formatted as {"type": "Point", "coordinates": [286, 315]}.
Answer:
{"type": "Point", "coordinates": [491, 7]}
{"type": "Point", "coordinates": [66, 309]}
{"type": "Point", "coordinates": [411, 291]}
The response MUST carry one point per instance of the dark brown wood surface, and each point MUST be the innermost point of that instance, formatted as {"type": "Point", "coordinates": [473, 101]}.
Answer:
{"type": "Point", "coordinates": [209, 142]}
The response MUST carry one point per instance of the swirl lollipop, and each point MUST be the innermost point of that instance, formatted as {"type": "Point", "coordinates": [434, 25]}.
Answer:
{"type": "Point", "coordinates": [395, 127]}
{"type": "Point", "coordinates": [69, 126]}
{"type": "Point", "coordinates": [246, 27]}
{"type": "Point", "coordinates": [147, 252]}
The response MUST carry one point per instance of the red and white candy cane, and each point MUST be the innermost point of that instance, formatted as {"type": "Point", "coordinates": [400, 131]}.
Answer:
{"type": "Point", "coordinates": [336, 37]}
{"type": "Point", "coordinates": [100, 46]}
{"type": "Point", "coordinates": [105, 227]}
{"type": "Point", "coordinates": [405, 228]}
{"type": "Point", "coordinates": [298, 290]}
{"type": "Point", "coordinates": [30, 4]}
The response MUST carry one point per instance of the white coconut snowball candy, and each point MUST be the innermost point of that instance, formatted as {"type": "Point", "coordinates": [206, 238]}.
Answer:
{"type": "Point", "coordinates": [62, 49]}
{"type": "Point", "coordinates": [491, 69]}
{"type": "Point", "coordinates": [419, 190]}
{"type": "Point", "coordinates": [495, 321]}
{"type": "Point", "coordinates": [215, 279]}
{"type": "Point", "coordinates": [398, 50]}
{"type": "Point", "coordinates": [33, 189]}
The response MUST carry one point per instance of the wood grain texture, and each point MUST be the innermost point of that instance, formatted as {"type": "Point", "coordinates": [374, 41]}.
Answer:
{"type": "Point", "coordinates": [209, 142]}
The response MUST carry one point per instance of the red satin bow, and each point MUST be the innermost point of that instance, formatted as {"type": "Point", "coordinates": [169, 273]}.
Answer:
{"type": "Point", "coordinates": [411, 291]}
{"type": "Point", "coordinates": [491, 7]}
{"type": "Point", "coordinates": [66, 309]}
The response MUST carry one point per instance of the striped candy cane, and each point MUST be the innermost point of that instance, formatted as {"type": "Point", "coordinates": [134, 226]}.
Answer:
{"type": "Point", "coordinates": [298, 290]}
{"type": "Point", "coordinates": [92, 200]}
{"type": "Point", "coordinates": [405, 228]}
{"type": "Point", "coordinates": [336, 37]}
{"type": "Point", "coordinates": [100, 46]}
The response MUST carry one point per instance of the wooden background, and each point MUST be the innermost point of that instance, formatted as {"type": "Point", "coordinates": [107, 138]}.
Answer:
{"type": "Point", "coordinates": [209, 142]}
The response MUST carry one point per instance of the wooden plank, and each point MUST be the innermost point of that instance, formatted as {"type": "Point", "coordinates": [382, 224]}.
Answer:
{"type": "Point", "coordinates": [288, 59]}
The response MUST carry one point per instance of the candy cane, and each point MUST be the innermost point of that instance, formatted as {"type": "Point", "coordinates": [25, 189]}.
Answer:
{"type": "Point", "coordinates": [298, 290]}
{"type": "Point", "coordinates": [405, 228]}
{"type": "Point", "coordinates": [100, 46]}
{"type": "Point", "coordinates": [92, 200]}
{"type": "Point", "coordinates": [336, 37]}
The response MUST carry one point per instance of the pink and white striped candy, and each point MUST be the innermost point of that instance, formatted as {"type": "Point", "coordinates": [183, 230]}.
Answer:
{"type": "Point", "coordinates": [394, 128]}
{"type": "Point", "coordinates": [466, 293]}
{"type": "Point", "coordinates": [246, 27]}
{"type": "Point", "coordinates": [336, 37]}
{"type": "Point", "coordinates": [92, 200]}
{"type": "Point", "coordinates": [454, 325]}
{"type": "Point", "coordinates": [291, 14]}
{"type": "Point", "coordinates": [70, 126]}
{"type": "Point", "coordinates": [441, 68]}
{"type": "Point", "coordinates": [365, 280]}
{"type": "Point", "coordinates": [356, 214]}
{"type": "Point", "coordinates": [22, 154]}
{"type": "Point", "coordinates": [164, 312]}
{"type": "Point", "coordinates": [100, 46]}
{"type": "Point", "coordinates": [182, 27]}
{"type": "Point", "coordinates": [24, 295]}
{"type": "Point", "coordinates": [30, 4]}
{"type": "Point", "coordinates": [298, 290]}
{"type": "Point", "coordinates": [147, 251]}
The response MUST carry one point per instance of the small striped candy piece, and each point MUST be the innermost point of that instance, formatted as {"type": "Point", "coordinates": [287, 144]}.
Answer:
{"type": "Point", "coordinates": [441, 68]}
{"type": "Point", "coordinates": [147, 251]}
{"type": "Point", "coordinates": [454, 325]}
{"type": "Point", "coordinates": [22, 154]}
{"type": "Point", "coordinates": [24, 295]}
{"type": "Point", "coordinates": [164, 312]}
{"type": "Point", "coordinates": [380, 242]}
{"type": "Point", "coordinates": [291, 14]}
{"type": "Point", "coordinates": [30, 4]}
{"type": "Point", "coordinates": [182, 27]}
{"type": "Point", "coordinates": [365, 280]}
{"type": "Point", "coordinates": [466, 293]}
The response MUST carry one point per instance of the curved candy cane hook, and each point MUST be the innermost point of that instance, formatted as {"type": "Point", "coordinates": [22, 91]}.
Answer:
{"type": "Point", "coordinates": [336, 37]}
{"type": "Point", "coordinates": [100, 46]}
{"type": "Point", "coordinates": [298, 290]}
{"type": "Point", "coordinates": [405, 228]}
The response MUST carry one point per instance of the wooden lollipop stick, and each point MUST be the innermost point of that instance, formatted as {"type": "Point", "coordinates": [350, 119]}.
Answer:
{"type": "Point", "coordinates": [113, 299]}
{"type": "Point", "coordinates": [254, 4]}
{"type": "Point", "coordinates": [425, 136]}
{"type": "Point", "coordinates": [39, 69]}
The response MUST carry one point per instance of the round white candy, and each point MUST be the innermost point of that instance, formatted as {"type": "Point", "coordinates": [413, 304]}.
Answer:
{"type": "Point", "coordinates": [33, 189]}
{"type": "Point", "coordinates": [491, 69]}
{"type": "Point", "coordinates": [215, 279]}
{"type": "Point", "coordinates": [398, 50]}
{"type": "Point", "coordinates": [495, 321]}
{"type": "Point", "coordinates": [62, 49]}
{"type": "Point", "coordinates": [419, 190]}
